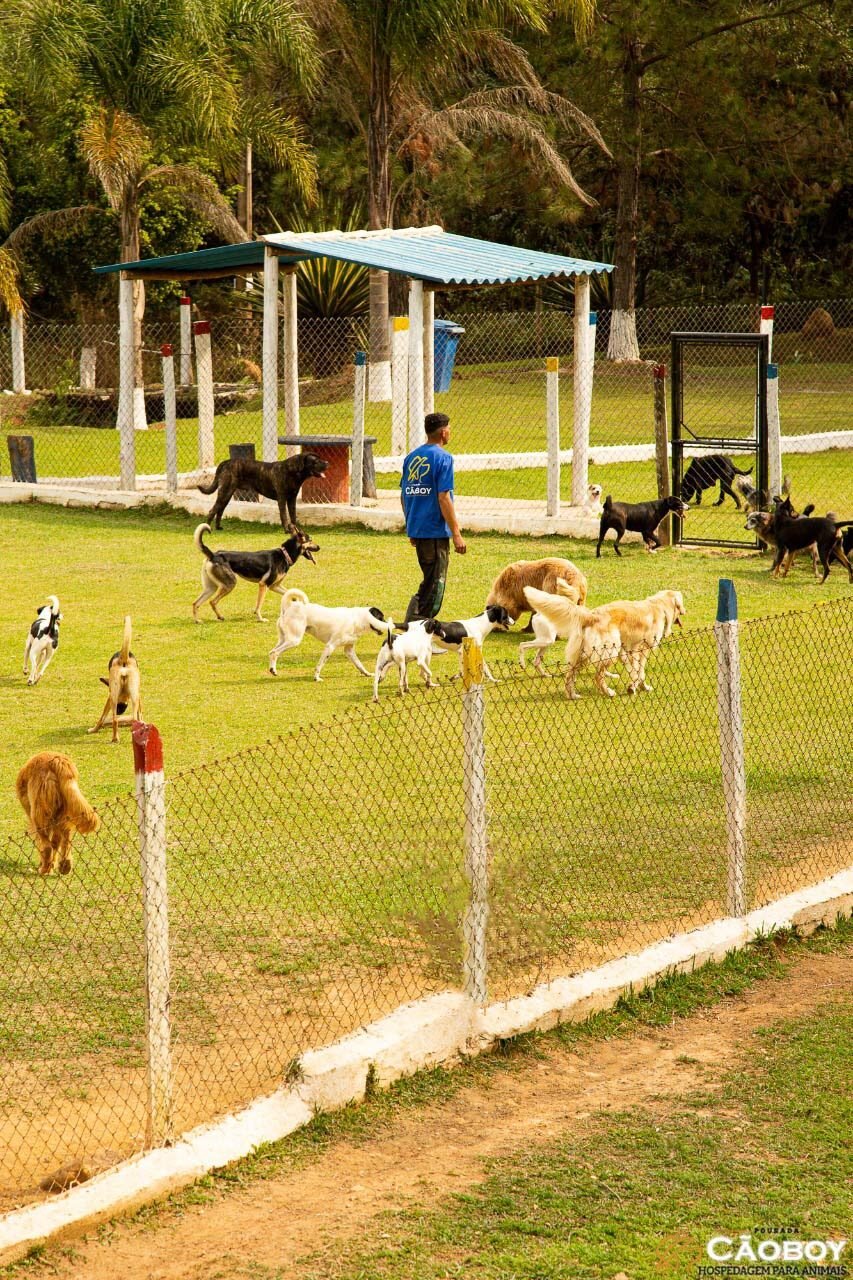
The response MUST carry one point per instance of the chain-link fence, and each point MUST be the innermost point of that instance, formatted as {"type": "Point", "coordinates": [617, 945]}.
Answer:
{"type": "Point", "coordinates": [488, 374]}
{"type": "Point", "coordinates": [485, 840]}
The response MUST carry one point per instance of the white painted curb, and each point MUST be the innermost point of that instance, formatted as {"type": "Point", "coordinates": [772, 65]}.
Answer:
{"type": "Point", "coordinates": [423, 1034]}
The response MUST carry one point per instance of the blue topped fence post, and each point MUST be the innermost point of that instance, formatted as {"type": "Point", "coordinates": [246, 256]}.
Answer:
{"type": "Point", "coordinates": [774, 432]}
{"type": "Point", "coordinates": [730, 728]}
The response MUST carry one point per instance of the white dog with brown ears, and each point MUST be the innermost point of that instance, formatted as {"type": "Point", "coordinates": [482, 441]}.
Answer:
{"type": "Point", "coordinates": [123, 685]}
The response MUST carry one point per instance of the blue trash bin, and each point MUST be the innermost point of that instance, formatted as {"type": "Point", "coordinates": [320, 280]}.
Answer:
{"type": "Point", "coordinates": [446, 335]}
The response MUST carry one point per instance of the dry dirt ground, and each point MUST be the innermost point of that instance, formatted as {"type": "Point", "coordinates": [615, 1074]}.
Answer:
{"type": "Point", "coordinates": [275, 1222]}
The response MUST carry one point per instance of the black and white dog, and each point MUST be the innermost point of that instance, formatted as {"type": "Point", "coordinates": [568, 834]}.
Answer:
{"type": "Point", "coordinates": [449, 635]}
{"type": "Point", "coordinates": [42, 641]}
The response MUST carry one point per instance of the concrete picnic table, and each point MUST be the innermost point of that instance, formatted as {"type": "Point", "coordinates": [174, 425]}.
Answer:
{"type": "Point", "coordinates": [333, 485]}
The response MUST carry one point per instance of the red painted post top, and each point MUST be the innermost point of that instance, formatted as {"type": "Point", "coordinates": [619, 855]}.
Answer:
{"type": "Point", "coordinates": [201, 326]}
{"type": "Point", "coordinates": [766, 313]}
{"type": "Point", "coordinates": [166, 349]}
{"type": "Point", "coordinates": [659, 370]}
{"type": "Point", "coordinates": [186, 302]}
{"type": "Point", "coordinates": [147, 748]}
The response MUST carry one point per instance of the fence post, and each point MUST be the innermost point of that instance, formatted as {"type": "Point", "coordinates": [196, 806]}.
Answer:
{"type": "Point", "coordinates": [582, 392]}
{"type": "Point", "coordinates": [19, 373]}
{"type": "Point", "coordinates": [204, 391]}
{"type": "Point", "coordinates": [151, 812]}
{"type": "Point", "coordinates": [186, 334]}
{"type": "Point", "coordinates": [170, 418]}
{"type": "Point", "coordinates": [399, 382]}
{"type": "Point", "coordinates": [552, 381]}
{"type": "Point", "coordinates": [730, 728]}
{"type": "Point", "coordinates": [765, 325]}
{"type": "Point", "coordinates": [429, 351]}
{"type": "Point", "coordinates": [269, 409]}
{"type": "Point", "coordinates": [291, 362]}
{"type": "Point", "coordinates": [774, 432]}
{"type": "Point", "coordinates": [475, 924]}
{"type": "Point", "coordinates": [662, 448]}
{"type": "Point", "coordinates": [416, 363]}
{"type": "Point", "coordinates": [126, 379]}
{"type": "Point", "coordinates": [357, 468]}
{"type": "Point", "coordinates": [88, 368]}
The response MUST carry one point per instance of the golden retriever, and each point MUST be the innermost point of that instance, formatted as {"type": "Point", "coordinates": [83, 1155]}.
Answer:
{"type": "Point", "coordinates": [508, 586]}
{"type": "Point", "coordinates": [50, 794]}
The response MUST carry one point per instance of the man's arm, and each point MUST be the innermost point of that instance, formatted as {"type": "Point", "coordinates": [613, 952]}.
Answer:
{"type": "Point", "coordinates": [445, 503]}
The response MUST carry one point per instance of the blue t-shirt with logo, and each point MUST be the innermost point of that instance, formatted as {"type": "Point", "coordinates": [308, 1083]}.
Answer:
{"type": "Point", "coordinates": [427, 472]}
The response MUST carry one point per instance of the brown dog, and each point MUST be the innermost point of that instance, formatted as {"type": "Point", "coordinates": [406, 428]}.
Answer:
{"type": "Point", "coordinates": [508, 586]}
{"type": "Point", "coordinates": [48, 789]}
{"type": "Point", "coordinates": [123, 685]}
{"type": "Point", "coordinates": [280, 481]}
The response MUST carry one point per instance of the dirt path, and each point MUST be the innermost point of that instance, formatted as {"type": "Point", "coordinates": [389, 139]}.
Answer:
{"type": "Point", "coordinates": [274, 1223]}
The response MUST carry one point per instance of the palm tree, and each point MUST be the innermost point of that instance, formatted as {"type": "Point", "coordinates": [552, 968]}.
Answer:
{"type": "Point", "coordinates": [398, 59]}
{"type": "Point", "coordinates": [157, 79]}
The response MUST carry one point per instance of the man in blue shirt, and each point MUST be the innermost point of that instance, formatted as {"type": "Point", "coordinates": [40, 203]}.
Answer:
{"type": "Point", "coordinates": [426, 491]}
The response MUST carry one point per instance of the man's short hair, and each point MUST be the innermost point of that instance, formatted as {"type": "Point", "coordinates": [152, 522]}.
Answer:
{"type": "Point", "coordinates": [434, 422]}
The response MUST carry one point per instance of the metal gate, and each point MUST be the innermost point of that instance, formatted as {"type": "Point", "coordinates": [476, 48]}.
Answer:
{"type": "Point", "coordinates": [719, 432]}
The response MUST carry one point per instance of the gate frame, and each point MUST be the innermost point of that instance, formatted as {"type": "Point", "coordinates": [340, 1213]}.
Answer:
{"type": "Point", "coordinates": [757, 444]}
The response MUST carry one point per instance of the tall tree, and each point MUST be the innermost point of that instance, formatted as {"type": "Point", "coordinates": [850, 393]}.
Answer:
{"type": "Point", "coordinates": [396, 64]}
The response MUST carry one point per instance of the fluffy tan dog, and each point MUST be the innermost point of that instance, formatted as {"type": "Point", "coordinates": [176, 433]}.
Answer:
{"type": "Point", "coordinates": [48, 789]}
{"type": "Point", "coordinates": [508, 586]}
{"type": "Point", "coordinates": [123, 685]}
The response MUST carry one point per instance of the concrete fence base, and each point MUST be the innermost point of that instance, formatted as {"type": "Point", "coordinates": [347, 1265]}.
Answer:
{"type": "Point", "coordinates": [437, 1029]}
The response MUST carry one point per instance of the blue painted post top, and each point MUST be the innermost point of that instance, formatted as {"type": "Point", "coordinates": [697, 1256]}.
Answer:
{"type": "Point", "coordinates": [726, 601]}
{"type": "Point", "coordinates": [773, 371]}
{"type": "Point", "coordinates": [593, 317]}
{"type": "Point", "coordinates": [361, 357]}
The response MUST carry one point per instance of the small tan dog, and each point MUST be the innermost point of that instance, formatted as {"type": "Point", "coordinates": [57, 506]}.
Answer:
{"type": "Point", "coordinates": [508, 586]}
{"type": "Point", "coordinates": [50, 794]}
{"type": "Point", "coordinates": [123, 684]}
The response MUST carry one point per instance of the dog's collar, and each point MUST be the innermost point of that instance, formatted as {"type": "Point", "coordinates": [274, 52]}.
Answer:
{"type": "Point", "coordinates": [287, 557]}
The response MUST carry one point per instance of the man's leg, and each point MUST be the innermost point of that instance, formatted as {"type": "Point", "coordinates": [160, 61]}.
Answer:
{"type": "Point", "coordinates": [433, 556]}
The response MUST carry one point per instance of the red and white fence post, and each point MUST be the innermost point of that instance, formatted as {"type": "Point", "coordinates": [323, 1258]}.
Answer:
{"type": "Point", "coordinates": [186, 333]}
{"type": "Point", "coordinates": [765, 325]}
{"type": "Point", "coordinates": [204, 381]}
{"type": "Point", "coordinates": [552, 430]}
{"type": "Point", "coordinates": [730, 729]}
{"type": "Point", "coordinates": [170, 417]}
{"type": "Point", "coordinates": [151, 813]}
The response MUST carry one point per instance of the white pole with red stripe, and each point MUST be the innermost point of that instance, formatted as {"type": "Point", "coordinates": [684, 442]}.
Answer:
{"type": "Point", "coordinates": [151, 813]}
{"type": "Point", "coordinates": [204, 378]}
{"type": "Point", "coordinates": [186, 333]}
{"type": "Point", "coordinates": [766, 326]}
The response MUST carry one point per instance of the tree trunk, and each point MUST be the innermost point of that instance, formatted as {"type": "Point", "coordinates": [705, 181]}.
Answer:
{"type": "Point", "coordinates": [379, 209]}
{"type": "Point", "coordinates": [245, 200]}
{"type": "Point", "coordinates": [623, 327]}
{"type": "Point", "coordinates": [129, 219]}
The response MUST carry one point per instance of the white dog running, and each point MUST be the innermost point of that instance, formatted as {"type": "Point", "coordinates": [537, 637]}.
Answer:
{"type": "Point", "coordinates": [337, 628]}
{"type": "Point", "coordinates": [42, 641]}
{"type": "Point", "coordinates": [414, 645]}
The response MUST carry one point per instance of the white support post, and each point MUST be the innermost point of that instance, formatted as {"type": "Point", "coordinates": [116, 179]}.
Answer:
{"type": "Point", "coordinates": [186, 336]}
{"type": "Point", "coordinates": [269, 415]}
{"type": "Point", "coordinates": [126, 377]}
{"type": "Point", "coordinates": [399, 383]}
{"type": "Point", "coordinates": [170, 418]}
{"type": "Point", "coordinates": [552, 379]}
{"type": "Point", "coordinates": [88, 368]}
{"type": "Point", "coordinates": [291, 362]}
{"type": "Point", "coordinates": [19, 374]}
{"type": "Point", "coordinates": [204, 380]}
{"type": "Point", "coordinates": [429, 351]}
{"type": "Point", "coordinates": [356, 478]}
{"type": "Point", "coordinates": [416, 363]}
{"type": "Point", "coordinates": [730, 729]}
{"type": "Point", "coordinates": [774, 432]}
{"type": "Point", "coordinates": [475, 923]}
{"type": "Point", "coordinates": [151, 813]}
{"type": "Point", "coordinates": [766, 326]}
{"type": "Point", "coordinates": [582, 393]}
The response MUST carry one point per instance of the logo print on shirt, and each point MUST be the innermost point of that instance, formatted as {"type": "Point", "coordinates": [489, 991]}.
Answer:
{"type": "Point", "coordinates": [418, 468]}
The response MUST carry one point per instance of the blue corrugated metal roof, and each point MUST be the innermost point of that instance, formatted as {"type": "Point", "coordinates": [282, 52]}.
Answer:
{"type": "Point", "coordinates": [424, 253]}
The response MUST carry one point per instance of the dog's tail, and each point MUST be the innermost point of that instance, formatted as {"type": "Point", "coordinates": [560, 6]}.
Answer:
{"type": "Point", "coordinates": [54, 604]}
{"type": "Point", "coordinates": [214, 484]}
{"type": "Point", "coordinates": [558, 609]}
{"type": "Point", "coordinates": [198, 539]}
{"type": "Point", "coordinates": [738, 471]}
{"type": "Point", "coordinates": [124, 653]}
{"type": "Point", "coordinates": [608, 503]}
{"type": "Point", "coordinates": [293, 596]}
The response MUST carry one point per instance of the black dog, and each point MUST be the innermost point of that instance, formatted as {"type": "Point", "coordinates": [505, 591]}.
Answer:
{"type": "Point", "coordinates": [637, 517]}
{"type": "Point", "coordinates": [278, 480]}
{"type": "Point", "coordinates": [704, 472]}
{"type": "Point", "coordinates": [221, 569]}
{"type": "Point", "coordinates": [795, 533]}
